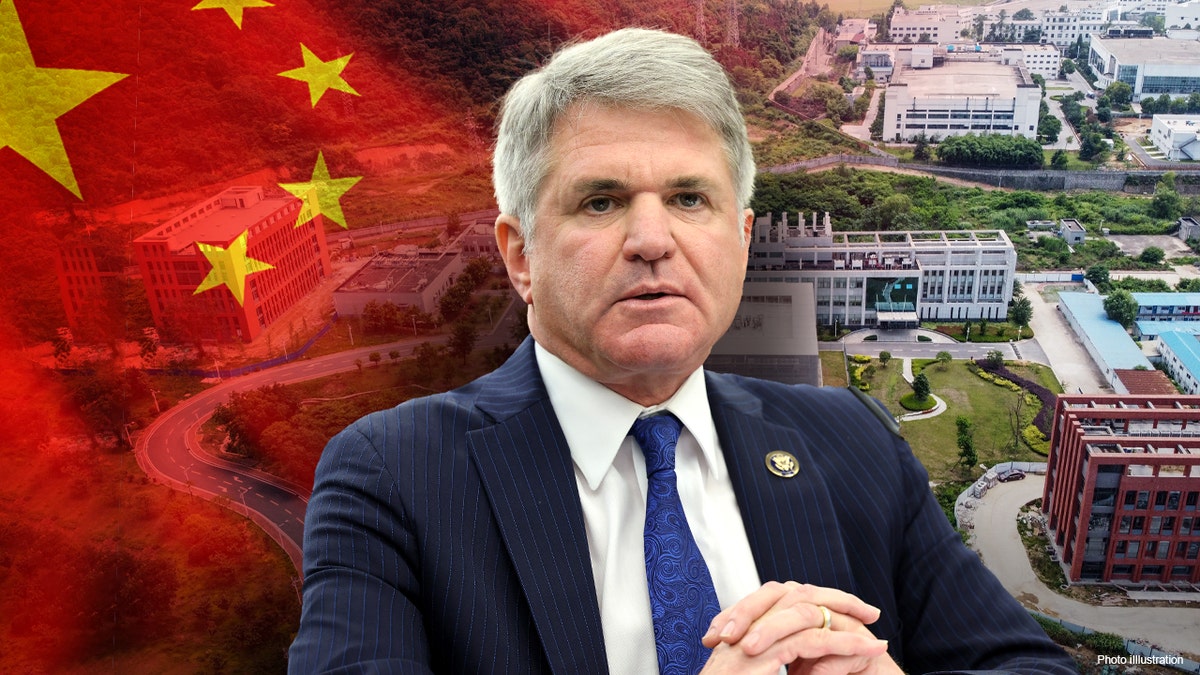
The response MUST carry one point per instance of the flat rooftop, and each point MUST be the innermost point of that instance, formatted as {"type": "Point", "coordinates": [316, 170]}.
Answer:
{"type": "Point", "coordinates": [963, 78]}
{"type": "Point", "coordinates": [397, 273]}
{"type": "Point", "coordinates": [217, 220]}
{"type": "Point", "coordinates": [1180, 122]}
{"type": "Point", "coordinates": [1157, 50]}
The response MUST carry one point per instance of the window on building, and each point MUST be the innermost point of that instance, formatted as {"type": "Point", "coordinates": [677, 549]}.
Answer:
{"type": "Point", "coordinates": [1130, 500]}
{"type": "Point", "coordinates": [1168, 525]}
{"type": "Point", "coordinates": [1126, 521]}
{"type": "Point", "coordinates": [1173, 500]}
{"type": "Point", "coordinates": [1160, 500]}
{"type": "Point", "coordinates": [1193, 550]}
{"type": "Point", "coordinates": [1139, 524]}
{"type": "Point", "coordinates": [1155, 524]}
{"type": "Point", "coordinates": [1151, 548]}
{"type": "Point", "coordinates": [1189, 504]}
{"type": "Point", "coordinates": [1143, 499]}
{"type": "Point", "coordinates": [1164, 549]}
{"type": "Point", "coordinates": [1119, 551]}
{"type": "Point", "coordinates": [1185, 526]}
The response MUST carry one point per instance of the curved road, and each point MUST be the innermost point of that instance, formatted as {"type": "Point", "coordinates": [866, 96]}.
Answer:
{"type": "Point", "coordinates": [1174, 629]}
{"type": "Point", "coordinates": [169, 452]}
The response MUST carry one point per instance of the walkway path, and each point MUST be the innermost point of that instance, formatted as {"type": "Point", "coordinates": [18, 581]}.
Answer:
{"type": "Point", "coordinates": [938, 408]}
{"type": "Point", "coordinates": [1174, 629]}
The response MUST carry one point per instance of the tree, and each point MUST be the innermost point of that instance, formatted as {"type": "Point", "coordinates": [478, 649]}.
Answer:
{"type": "Point", "coordinates": [394, 355]}
{"type": "Point", "coordinates": [1152, 255]}
{"type": "Point", "coordinates": [1049, 127]}
{"type": "Point", "coordinates": [995, 358]}
{"type": "Point", "coordinates": [375, 357]}
{"type": "Point", "coordinates": [1119, 93]}
{"type": "Point", "coordinates": [943, 359]}
{"type": "Point", "coordinates": [884, 357]}
{"type": "Point", "coordinates": [1059, 159]}
{"type": "Point", "coordinates": [1021, 312]}
{"type": "Point", "coordinates": [921, 147]}
{"type": "Point", "coordinates": [920, 386]}
{"type": "Point", "coordinates": [1166, 203]}
{"type": "Point", "coordinates": [983, 326]}
{"type": "Point", "coordinates": [967, 456]}
{"type": "Point", "coordinates": [967, 330]}
{"type": "Point", "coordinates": [462, 339]}
{"type": "Point", "coordinates": [1120, 306]}
{"type": "Point", "coordinates": [1025, 14]}
{"type": "Point", "coordinates": [1098, 275]}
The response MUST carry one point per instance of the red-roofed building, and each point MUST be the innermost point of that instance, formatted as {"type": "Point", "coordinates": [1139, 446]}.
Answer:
{"type": "Point", "coordinates": [172, 265]}
{"type": "Point", "coordinates": [1146, 382]}
{"type": "Point", "coordinates": [1123, 487]}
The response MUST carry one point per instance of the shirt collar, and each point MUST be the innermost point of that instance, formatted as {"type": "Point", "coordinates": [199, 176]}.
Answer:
{"type": "Point", "coordinates": [596, 419]}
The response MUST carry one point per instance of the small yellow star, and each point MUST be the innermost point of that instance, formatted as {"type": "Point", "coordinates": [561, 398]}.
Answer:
{"type": "Point", "coordinates": [230, 267]}
{"type": "Point", "coordinates": [322, 194]}
{"type": "Point", "coordinates": [320, 76]}
{"type": "Point", "coordinates": [32, 99]}
{"type": "Point", "coordinates": [233, 8]}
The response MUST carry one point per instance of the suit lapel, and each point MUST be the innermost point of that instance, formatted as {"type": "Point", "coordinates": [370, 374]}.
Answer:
{"type": "Point", "coordinates": [791, 523]}
{"type": "Point", "coordinates": [525, 466]}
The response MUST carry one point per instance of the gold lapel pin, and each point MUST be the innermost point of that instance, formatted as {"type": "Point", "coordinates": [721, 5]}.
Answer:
{"type": "Point", "coordinates": [782, 464]}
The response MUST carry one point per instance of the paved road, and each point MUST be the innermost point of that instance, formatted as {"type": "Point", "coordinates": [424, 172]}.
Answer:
{"type": "Point", "coordinates": [169, 452]}
{"type": "Point", "coordinates": [1175, 629]}
{"type": "Point", "coordinates": [1071, 363]}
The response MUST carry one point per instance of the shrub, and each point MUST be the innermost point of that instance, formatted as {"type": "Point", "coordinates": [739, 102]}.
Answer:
{"type": "Point", "coordinates": [1036, 440]}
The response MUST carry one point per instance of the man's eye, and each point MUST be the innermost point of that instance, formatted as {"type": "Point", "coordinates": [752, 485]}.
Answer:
{"type": "Point", "coordinates": [689, 200]}
{"type": "Point", "coordinates": [598, 204]}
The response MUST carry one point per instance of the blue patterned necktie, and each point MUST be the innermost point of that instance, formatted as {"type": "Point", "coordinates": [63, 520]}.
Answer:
{"type": "Point", "coordinates": [683, 600]}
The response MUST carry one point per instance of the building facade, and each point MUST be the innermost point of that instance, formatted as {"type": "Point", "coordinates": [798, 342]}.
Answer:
{"type": "Point", "coordinates": [961, 98]}
{"type": "Point", "coordinates": [1063, 29]}
{"type": "Point", "coordinates": [173, 267]}
{"type": "Point", "coordinates": [1183, 15]}
{"type": "Point", "coordinates": [1122, 488]}
{"type": "Point", "coordinates": [1150, 67]}
{"type": "Point", "coordinates": [887, 279]}
{"type": "Point", "coordinates": [1176, 136]}
{"type": "Point", "coordinates": [938, 24]}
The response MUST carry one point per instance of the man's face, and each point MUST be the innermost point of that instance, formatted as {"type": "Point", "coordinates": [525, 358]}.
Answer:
{"type": "Point", "coordinates": [640, 249]}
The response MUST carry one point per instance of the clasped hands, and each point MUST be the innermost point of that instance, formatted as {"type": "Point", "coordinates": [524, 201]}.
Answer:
{"type": "Point", "coordinates": [781, 624]}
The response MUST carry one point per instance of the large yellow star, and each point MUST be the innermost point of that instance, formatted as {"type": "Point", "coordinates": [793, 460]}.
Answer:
{"type": "Point", "coordinates": [233, 8]}
{"type": "Point", "coordinates": [32, 99]}
{"type": "Point", "coordinates": [230, 267]}
{"type": "Point", "coordinates": [321, 76]}
{"type": "Point", "coordinates": [322, 194]}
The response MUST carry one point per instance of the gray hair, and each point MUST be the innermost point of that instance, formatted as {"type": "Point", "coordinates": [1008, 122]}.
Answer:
{"type": "Point", "coordinates": [632, 67]}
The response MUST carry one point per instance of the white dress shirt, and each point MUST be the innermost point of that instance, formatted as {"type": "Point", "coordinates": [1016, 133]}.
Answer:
{"type": "Point", "coordinates": [610, 473]}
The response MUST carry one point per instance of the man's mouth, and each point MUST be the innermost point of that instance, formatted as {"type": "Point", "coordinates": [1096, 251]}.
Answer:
{"type": "Point", "coordinates": [649, 296]}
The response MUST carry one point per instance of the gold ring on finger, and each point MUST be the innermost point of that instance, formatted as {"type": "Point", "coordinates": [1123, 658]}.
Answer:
{"type": "Point", "coordinates": [827, 617]}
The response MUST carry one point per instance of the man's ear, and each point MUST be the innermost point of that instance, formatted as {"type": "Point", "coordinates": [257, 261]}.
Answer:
{"type": "Point", "coordinates": [747, 226]}
{"type": "Point", "coordinates": [511, 243]}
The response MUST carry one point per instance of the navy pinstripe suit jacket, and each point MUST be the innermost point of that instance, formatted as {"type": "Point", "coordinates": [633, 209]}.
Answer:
{"type": "Point", "coordinates": [446, 535]}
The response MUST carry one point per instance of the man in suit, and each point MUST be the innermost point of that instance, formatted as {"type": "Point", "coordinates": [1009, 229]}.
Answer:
{"type": "Point", "coordinates": [600, 503]}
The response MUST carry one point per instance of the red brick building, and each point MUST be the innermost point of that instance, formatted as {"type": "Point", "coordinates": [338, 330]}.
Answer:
{"type": "Point", "coordinates": [1122, 486]}
{"type": "Point", "coordinates": [172, 266]}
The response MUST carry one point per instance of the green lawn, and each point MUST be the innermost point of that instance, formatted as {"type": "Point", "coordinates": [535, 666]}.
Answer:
{"type": "Point", "coordinates": [833, 369]}
{"type": "Point", "coordinates": [986, 405]}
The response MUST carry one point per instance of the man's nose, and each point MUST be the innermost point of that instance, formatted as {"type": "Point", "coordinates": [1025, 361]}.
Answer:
{"type": "Point", "coordinates": [648, 232]}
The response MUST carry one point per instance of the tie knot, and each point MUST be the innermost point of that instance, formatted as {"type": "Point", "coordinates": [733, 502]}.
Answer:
{"type": "Point", "coordinates": [657, 435]}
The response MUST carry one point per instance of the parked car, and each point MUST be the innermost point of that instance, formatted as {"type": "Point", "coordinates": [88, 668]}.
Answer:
{"type": "Point", "coordinates": [1010, 474]}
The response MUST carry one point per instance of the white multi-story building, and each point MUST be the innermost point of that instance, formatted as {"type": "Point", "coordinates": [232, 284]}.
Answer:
{"type": "Point", "coordinates": [1176, 136]}
{"type": "Point", "coordinates": [1151, 67]}
{"type": "Point", "coordinates": [887, 278]}
{"type": "Point", "coordinates": [1063, 29]}
{"type": "Point", "coordinates": [1185, 15]}
{"type": "Point", "coordinates": [961, 97]}
{"type": "Point", "coordinates": [938, 24]}
{"type": "Point", "coordinates": [1038, 59]}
